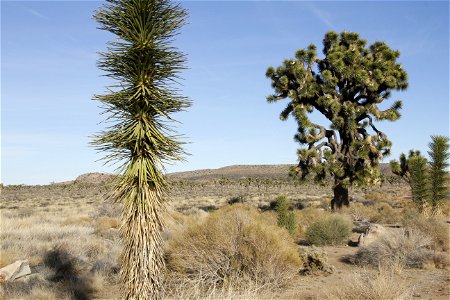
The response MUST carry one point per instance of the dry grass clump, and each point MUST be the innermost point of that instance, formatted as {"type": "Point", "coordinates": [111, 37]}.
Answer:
{"type": "Point", "coordinates": [363, 284]}
{"type": "Point", "coordinates": [434, 227]}
{"type": "Point", "coordinates": [386, 214]}
{"type": "Point", "coordinates": [360, 212]}
{"type": "Point", "coordinates": [380, 212]}
{"type": "Point", "coordinates": [105, 223]}
{"type": "Point", "coordinates": [234, 249]}
{"type": "Point", "coordinates": [332, 230]}
{"type": "Point", "coordinates": [399, 249]}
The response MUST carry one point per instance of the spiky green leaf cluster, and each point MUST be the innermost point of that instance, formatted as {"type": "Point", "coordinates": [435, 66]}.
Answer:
{"type": "Point", "coordinates": [438, 164]}
{"type": "Point", "coordinates": [428, 180]}
{"type": "Point", "coordinates": [419, 181]}
{"type": "Point", "coordinates": [346, 86]}
{"type": "Point", "coordinates": [401, 167]}
{"type": "Point", "coordinates": [144, 67]}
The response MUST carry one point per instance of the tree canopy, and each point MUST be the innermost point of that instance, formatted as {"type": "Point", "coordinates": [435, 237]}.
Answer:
{"type": "Point", "coordinates": [346, 87]}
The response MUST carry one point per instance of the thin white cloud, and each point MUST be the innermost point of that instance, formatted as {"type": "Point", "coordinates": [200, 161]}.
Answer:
{"type": "Point", "coordinates": [35, 13]}
{"type": "Point", "coordinates": [324, 16]}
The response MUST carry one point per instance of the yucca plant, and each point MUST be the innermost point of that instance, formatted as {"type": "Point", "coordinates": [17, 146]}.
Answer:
{"type": "Point", "coordinates": [144, 67]}
{"type": "Point", "coordinates": [418, 181]}
{"type": "Point", "coordinates": [438, 164]}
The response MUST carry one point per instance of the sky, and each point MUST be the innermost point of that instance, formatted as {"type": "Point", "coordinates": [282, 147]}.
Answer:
{"type": "Point", "coordinates": [49, 76]}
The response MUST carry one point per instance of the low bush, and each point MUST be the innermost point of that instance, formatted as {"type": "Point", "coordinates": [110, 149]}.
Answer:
{"type": "Point", "coordinates": [398, 248]}
{"type": "Point", "coordinates": [370, 286]}
{"type": "Point", "coordinates": [233, 249]}
{"type": "Point", "coordinates": [434, 227]}
{"type": "Point", "coordinates": [333, 230]}
{"type": "Point", "coordinates": [315, 260]}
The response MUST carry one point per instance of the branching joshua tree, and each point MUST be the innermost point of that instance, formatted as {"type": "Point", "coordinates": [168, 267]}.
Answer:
{"type": "Point", "coordinates": [346, 87]}
{"type": "Point", "coordinates": [144, 67]}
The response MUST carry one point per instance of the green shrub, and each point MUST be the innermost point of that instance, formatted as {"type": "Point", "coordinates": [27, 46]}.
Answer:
{"type": "Point", "coordinates": [334, 230]}
{"type": "Point", "coordinates": [285, 218]}
{"type": "Point", "coordinates": [233, 249]}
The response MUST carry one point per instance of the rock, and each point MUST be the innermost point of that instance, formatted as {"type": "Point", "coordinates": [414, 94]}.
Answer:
{"type": "Point", "coordinates": [373, 233]}
{"type": "Point", "coordinates": [15, 270]}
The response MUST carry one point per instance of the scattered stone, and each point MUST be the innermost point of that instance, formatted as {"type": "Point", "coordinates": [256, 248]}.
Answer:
{"type": "Point", "coordinates": [15, 270]}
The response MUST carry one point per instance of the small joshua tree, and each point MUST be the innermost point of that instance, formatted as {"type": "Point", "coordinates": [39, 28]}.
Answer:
{"type": "Point", "coordinates": [401, 167]}
{"type": "Point", "coordinates": [418, 181]}
{"type": "Point", "coordinates": [286, 218]}
{"type": "Point", "coordinates": [413, 170]}
{"type": "Point", "coordinates": [144, 66]}
{"type": "Point", "coordinates": [438, 165]}
{"type": "Point", "coordinates": [346, 87]}
{"type": "Point", "coordinates": [428, 180]}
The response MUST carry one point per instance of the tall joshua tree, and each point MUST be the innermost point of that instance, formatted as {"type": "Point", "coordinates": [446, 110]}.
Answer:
{"type": "Point", "coordinates": [346, 87]}
{"type": "Point", "coordinates": [144, 66]}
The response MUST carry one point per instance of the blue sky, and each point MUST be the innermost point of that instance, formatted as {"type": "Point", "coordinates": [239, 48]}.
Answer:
{"type": "Point", "coordinates": [49, 75]}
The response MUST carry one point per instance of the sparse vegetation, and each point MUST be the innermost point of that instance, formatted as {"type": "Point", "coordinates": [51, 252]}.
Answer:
{"type": "Point", "coordinates": [74, 217]}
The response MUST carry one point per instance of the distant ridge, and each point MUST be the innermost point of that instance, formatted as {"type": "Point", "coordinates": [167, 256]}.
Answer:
{"type": "Point", "coordinates": [230, 172]}
{"type": "Point", "coordinates": [235, 172]}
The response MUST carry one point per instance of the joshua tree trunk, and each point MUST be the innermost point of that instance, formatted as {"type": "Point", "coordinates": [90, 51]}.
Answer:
{"type": "Point", "coordinates": [340, 196]}
{"type": "Point", "coordinates": [142, 241]}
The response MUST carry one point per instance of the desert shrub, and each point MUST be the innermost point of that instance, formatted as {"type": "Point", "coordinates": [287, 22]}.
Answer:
{"type": "Point", "coordinates": [380, 212]}
{"type": "Point", "coordinates": [333, 230]}
{"type": "Point", "coordinates": [433, 227]}
{"type": "Point", "coordinates": [360, 212]}
{"type": "Point", "coordinates": [314, 260]}
{"type": "Point", "coordinates": [366, 285]}
{"type": "Point", "coordinates": [285, 218]}
{"type": "Point", "coordinates": [234, 248]}
{"type": "Point", "coordinates": [375, 196]}
{"type": "Point", "coordinates": [397, 248]}
{"type": "Point", "coordinates": [386, 214]}
{"type": "Point", "coordinates": [310, 215]}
